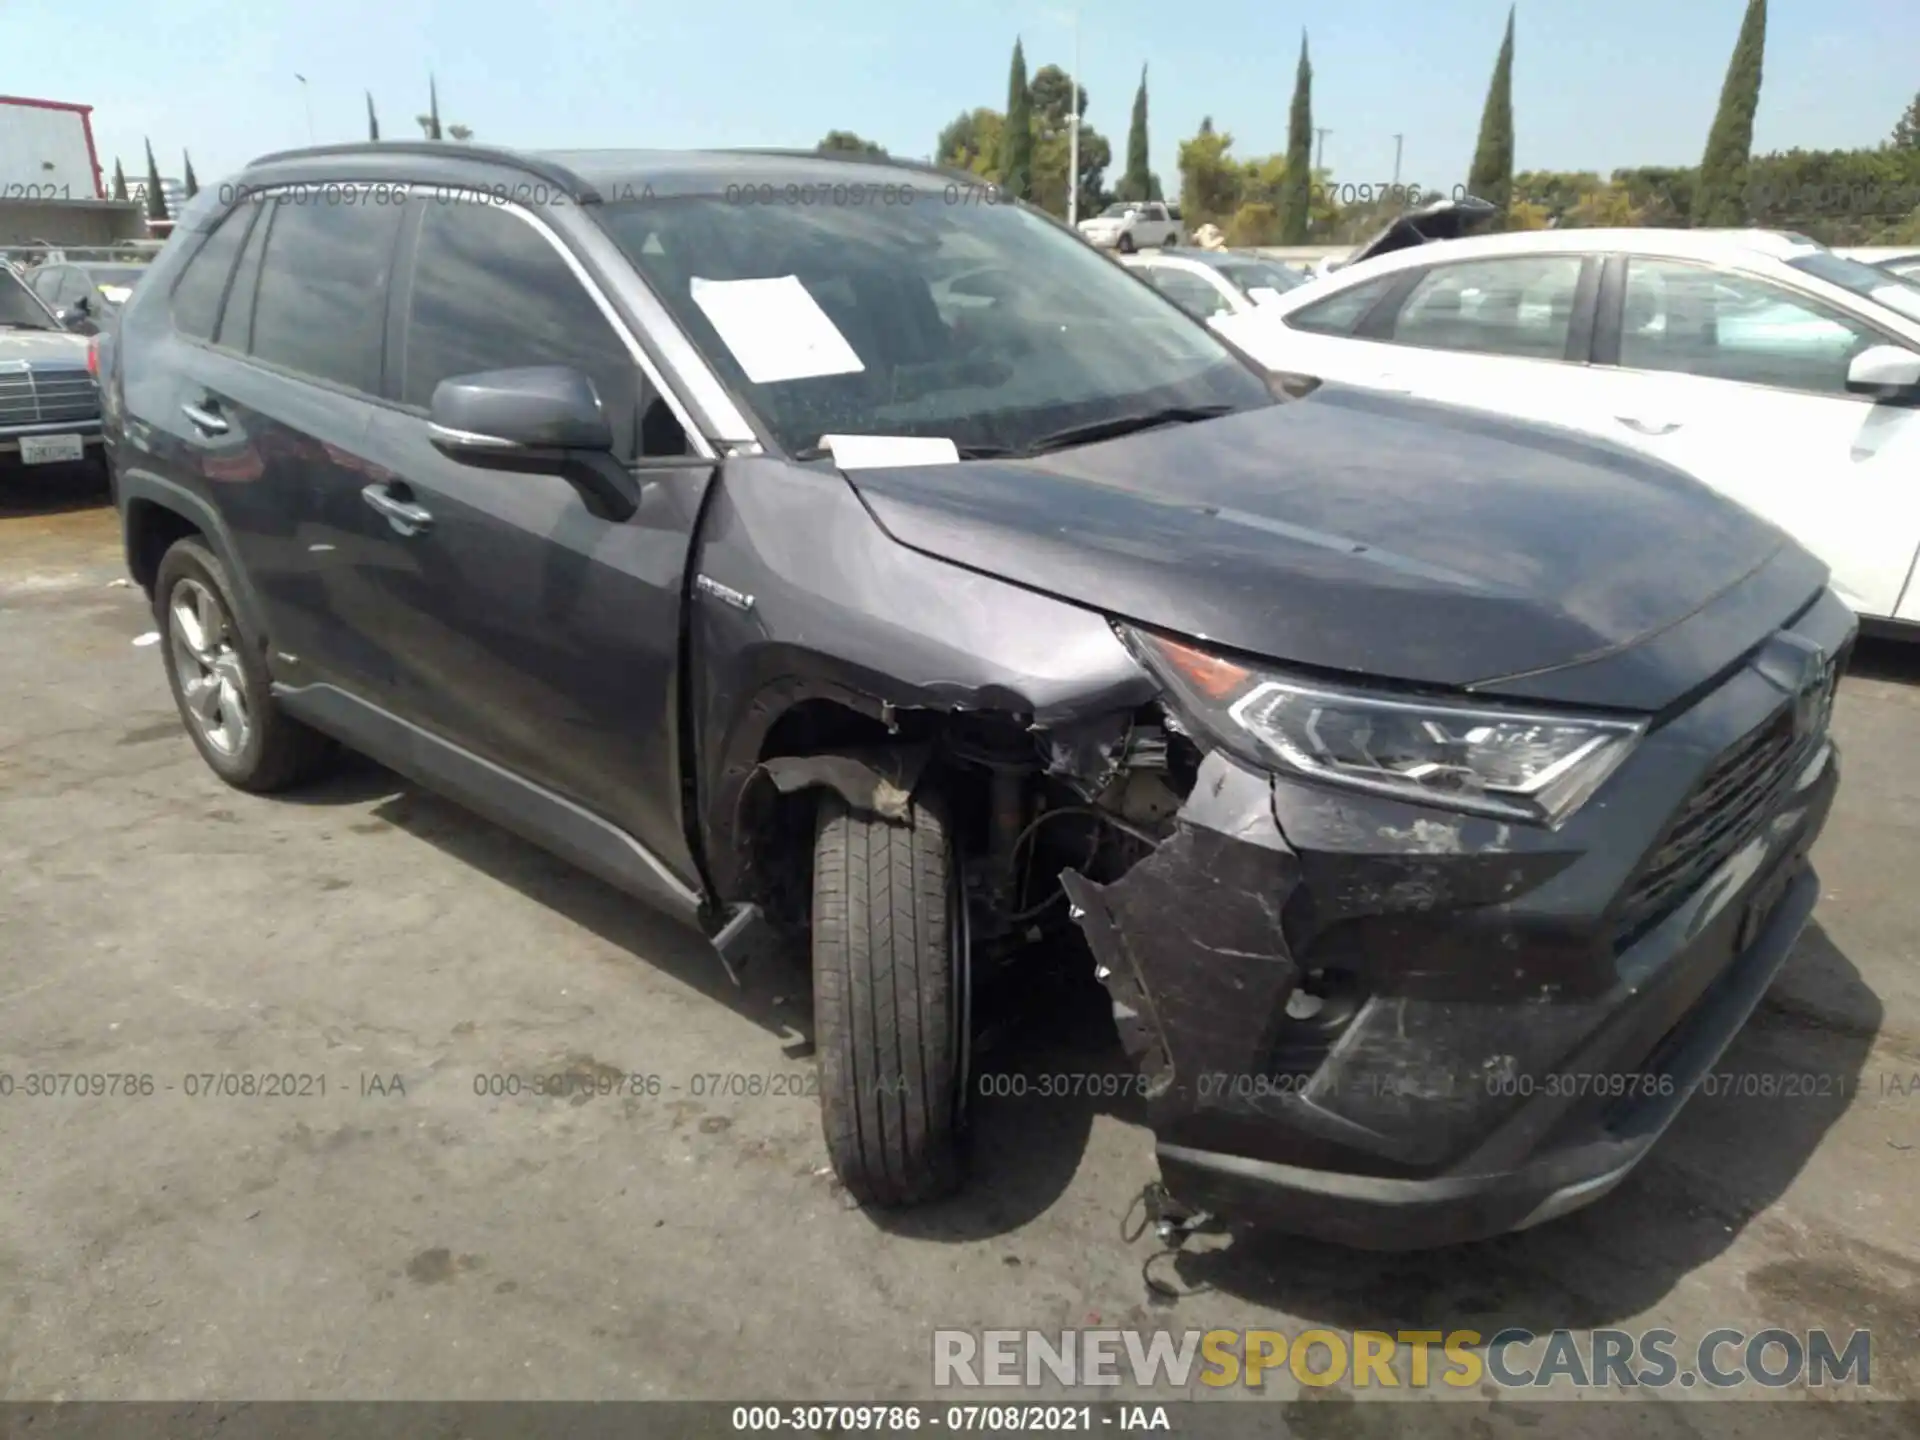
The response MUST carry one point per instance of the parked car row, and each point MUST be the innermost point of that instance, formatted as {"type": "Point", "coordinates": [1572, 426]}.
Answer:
{"type": "Point", "coordinates": [49, 403]}
{"type": "Point", "coordinates": [1780, 373]}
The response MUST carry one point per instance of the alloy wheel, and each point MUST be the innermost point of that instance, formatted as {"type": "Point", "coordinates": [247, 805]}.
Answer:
{"type": "Point", "coordinates": [208, 667]}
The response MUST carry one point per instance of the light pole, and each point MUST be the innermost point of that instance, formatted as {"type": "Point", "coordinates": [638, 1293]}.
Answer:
{"type": "Point", "coordinates": [1396, 163]}
{"type": "Point", "coordinates": [1073, 132]}
{"type": "Point", "coordinates": [307, 101]}
{"type": "Point", "coordinates": [1320, 151]}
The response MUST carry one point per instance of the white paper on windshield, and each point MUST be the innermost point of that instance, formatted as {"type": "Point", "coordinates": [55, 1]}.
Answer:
{"type": "Point", "coordinates": [875, 452]}
{"type": "Point", "coordinates": [117, 294]}
{"type": "Point", "coordinates": [1264, 294]}
{"type": "Point", "coordinates": [775, 329]}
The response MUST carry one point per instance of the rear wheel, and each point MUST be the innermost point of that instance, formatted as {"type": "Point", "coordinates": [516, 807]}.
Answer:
{"type": "Point", "coordinates": [889, 993]}
{"type": "Point", "coordinates": [220, 683]}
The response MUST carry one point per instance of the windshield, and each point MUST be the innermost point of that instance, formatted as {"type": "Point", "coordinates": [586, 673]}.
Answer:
{"type": "Point", "coordinates": [1251, 275]}
{"type": "Point", "coordinates": [1119, 211]}
{"type": "Point", "coordinates": [18, 309]}
{"type": "Point", "coordinates": [1900, 296]}
{"type": "Point", "coordinates": [983, 324]}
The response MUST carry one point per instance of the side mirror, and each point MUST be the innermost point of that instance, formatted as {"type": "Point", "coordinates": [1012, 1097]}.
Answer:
{"type": "Point", "coordinates": [84, 304]}
{"type": "Point", "coordinates": [77, 320]}
{"type": "Point", "coordinates": [1887, 372]}
{"type": "Point", "coordinates": [543, 420]}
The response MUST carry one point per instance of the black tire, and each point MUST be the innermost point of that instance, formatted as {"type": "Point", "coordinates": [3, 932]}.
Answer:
{"type": "Point", "coordinates": [1124, 244]}
{"type": "Point", "coordinates": [888, 1005]}
{"type": "Point", "coordinates": [278, 752]}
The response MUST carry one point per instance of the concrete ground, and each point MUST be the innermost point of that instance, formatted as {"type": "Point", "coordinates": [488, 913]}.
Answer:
{"type": "Point", "coordinates": [404, 1235]}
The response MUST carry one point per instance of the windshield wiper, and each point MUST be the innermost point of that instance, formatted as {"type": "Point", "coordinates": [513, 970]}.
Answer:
{"type": "Point", "coordinates": [967, 452]}
{"type": "Point", "coordinates": [1115, 426]}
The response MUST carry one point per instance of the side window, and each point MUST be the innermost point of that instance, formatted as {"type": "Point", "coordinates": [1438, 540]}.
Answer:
{"type": "Point", "coordinates": [1156, 212]}
{"type": "Point", "coordinates": [74, 285]}
{"type": "Point", "coordinates": [490, 292]}
{"type": "Point", "coordinates": [197, 293]}
{"type": "Point", "coordinates": [1187, 290]}
{"type": "Point", "coordinates": [46, 282]}
{"type": "Point", "coordinates": [1728, 326]}
{"type": "Point", "coordinates": [236, 320]}
{"type": "Point", "coordinates": [1341, 314]}
{"type": "Point", "coordinates": [319, 309]}
{"type": "Point", "coordinates": [1521, 306]}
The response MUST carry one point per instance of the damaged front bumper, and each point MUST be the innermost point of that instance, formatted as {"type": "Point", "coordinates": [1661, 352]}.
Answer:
{"type": "Point", "coordinates": [1394, 1027]}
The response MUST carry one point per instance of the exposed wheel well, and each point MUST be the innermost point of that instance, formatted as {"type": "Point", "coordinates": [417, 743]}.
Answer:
{"type": "Point", "coordinates": [152, 530]}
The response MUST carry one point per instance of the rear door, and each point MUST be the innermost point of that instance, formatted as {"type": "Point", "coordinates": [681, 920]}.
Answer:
{"type": "Point", "coordinates": [281, 411]}
{"type": "Point", "coordinates": [532, 630]}
{"type": "Point", "coordinates": [1742, 381]}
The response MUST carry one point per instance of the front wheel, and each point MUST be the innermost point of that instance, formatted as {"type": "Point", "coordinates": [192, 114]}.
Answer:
{"type": "Point", "coordinates": [889, 1001]}
{"type": "Point", "coordinates": [1124, 244]}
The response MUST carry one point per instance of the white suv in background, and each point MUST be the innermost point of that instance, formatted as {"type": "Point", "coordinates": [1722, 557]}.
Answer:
{"type": "Point", "coordinates": [1780, 373]}
{"type": "Point", "coordinates": [1130, 225]}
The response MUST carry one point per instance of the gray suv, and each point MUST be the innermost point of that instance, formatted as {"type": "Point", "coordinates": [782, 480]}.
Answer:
{"type": "Point", "coordinates": [833, 549]}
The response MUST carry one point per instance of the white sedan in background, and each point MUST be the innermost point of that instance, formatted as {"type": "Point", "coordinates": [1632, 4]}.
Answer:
{"type": "Point", "coordinates": [1775, 370]}
{"type": "Point", "coordinates": [1208, 283]}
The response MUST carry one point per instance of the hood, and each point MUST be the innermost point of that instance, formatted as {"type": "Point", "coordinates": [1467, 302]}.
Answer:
{"type": "Point", "coordinates": [42, 347]}
{"type": "Point", "coordinates": [1387, 537]}
{"type": "Point", "coordinates": [1441, 220]}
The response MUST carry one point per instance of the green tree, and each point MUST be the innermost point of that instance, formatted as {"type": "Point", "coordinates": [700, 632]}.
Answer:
{"type": "Point", "coordinates": [430, 122]}
{"type": "Point", "coordinates": [373, 120]}
{"type": "Point", "coordinates": [1296, 200]}
{"type": "Point", "coordinates": [1055, 101]}
{"type": "Point", "coordinates": [971, 141]}
{"type": "Point", "coordinates": [1210, 181]}
{"type": "Point", "coordinates": [1553, 192]}
{"type": "Point", "coordinates": [845, 142]}
{"type": "Point", "coordinates": [156, 197]}
{"type": "Point", "coordinates": [1906, 131]}
{"type": "Point", "coordinates": [119, 180]}
{"type": "Point", "coordinates": [1720, 195]}
{"type": "Point", "coordinates": [1139, 182]}
{"type": "Point", "coordinates": [1491, 177]}
{"type": "Point", "coordinates": [1663, 194]}
{"type": "Point", "coordinates": [1016, 158]}
{"type": "Point", "coordinates": [191, 182]}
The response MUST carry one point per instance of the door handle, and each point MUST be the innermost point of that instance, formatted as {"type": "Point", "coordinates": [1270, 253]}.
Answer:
{"type": "Point", "coordinates": [205, 418]}
{"type": "Point", "coordinates": [1648, 427]}
{"type": "Point", "coordinates": [406, 518]}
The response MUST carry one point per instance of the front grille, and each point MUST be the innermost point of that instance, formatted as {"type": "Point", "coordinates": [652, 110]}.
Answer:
{"type": "Point", "coordinates": [47, 397]}
{"type": "Point", "coordinates": [1722, 814]}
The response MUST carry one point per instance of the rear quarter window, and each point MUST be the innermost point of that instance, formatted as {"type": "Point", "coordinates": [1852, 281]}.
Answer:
{"type": "Point", "coordinates": [1341, 314]}
{"type": "Point", "coordinates": [202, 284]}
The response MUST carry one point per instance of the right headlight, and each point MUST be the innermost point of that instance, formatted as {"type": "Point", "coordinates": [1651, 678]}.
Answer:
{"type": "Point", "coordinates": [1518, 765]}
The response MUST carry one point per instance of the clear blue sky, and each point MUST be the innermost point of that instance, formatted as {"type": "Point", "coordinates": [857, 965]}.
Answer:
{"type": "Point", "coordinates": [1596, 85]}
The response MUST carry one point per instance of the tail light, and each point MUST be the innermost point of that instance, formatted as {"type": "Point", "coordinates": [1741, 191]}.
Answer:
{"type": "Point", "coordinates": [93, 356]}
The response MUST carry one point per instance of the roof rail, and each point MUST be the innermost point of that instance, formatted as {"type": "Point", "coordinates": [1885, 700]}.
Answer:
{"type": "Point", "coordinates": [579, 190]}
{"type": "Point", "coordinates": [863, 157]}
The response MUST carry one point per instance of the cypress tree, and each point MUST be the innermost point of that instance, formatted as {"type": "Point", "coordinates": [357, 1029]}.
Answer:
{"type": "Point", "coordinates": [1296, 194]}
{"type": "Point", "coordinates": [373, 121]}
{"type": "Point", "coordinates": [1720, 194]}
{"type": "Point", "coordinates": [1491, 177]}
{"type": "Point", "coordinates": [119, 180]}
{"type": "Point", "coordinates": [191, 183]}
{"type": "Point", "coordinates": [1016, 141]}
{"type": "Point", "coordinates": [156, 197]}
{"type": "Point", "coordinates": [1137, 182]}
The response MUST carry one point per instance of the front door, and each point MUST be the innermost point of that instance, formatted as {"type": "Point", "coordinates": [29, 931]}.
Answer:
{"type": "Point", "coordinates": [1742, 382]}
{"type": "Point", "coordinates": [532, 630]}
